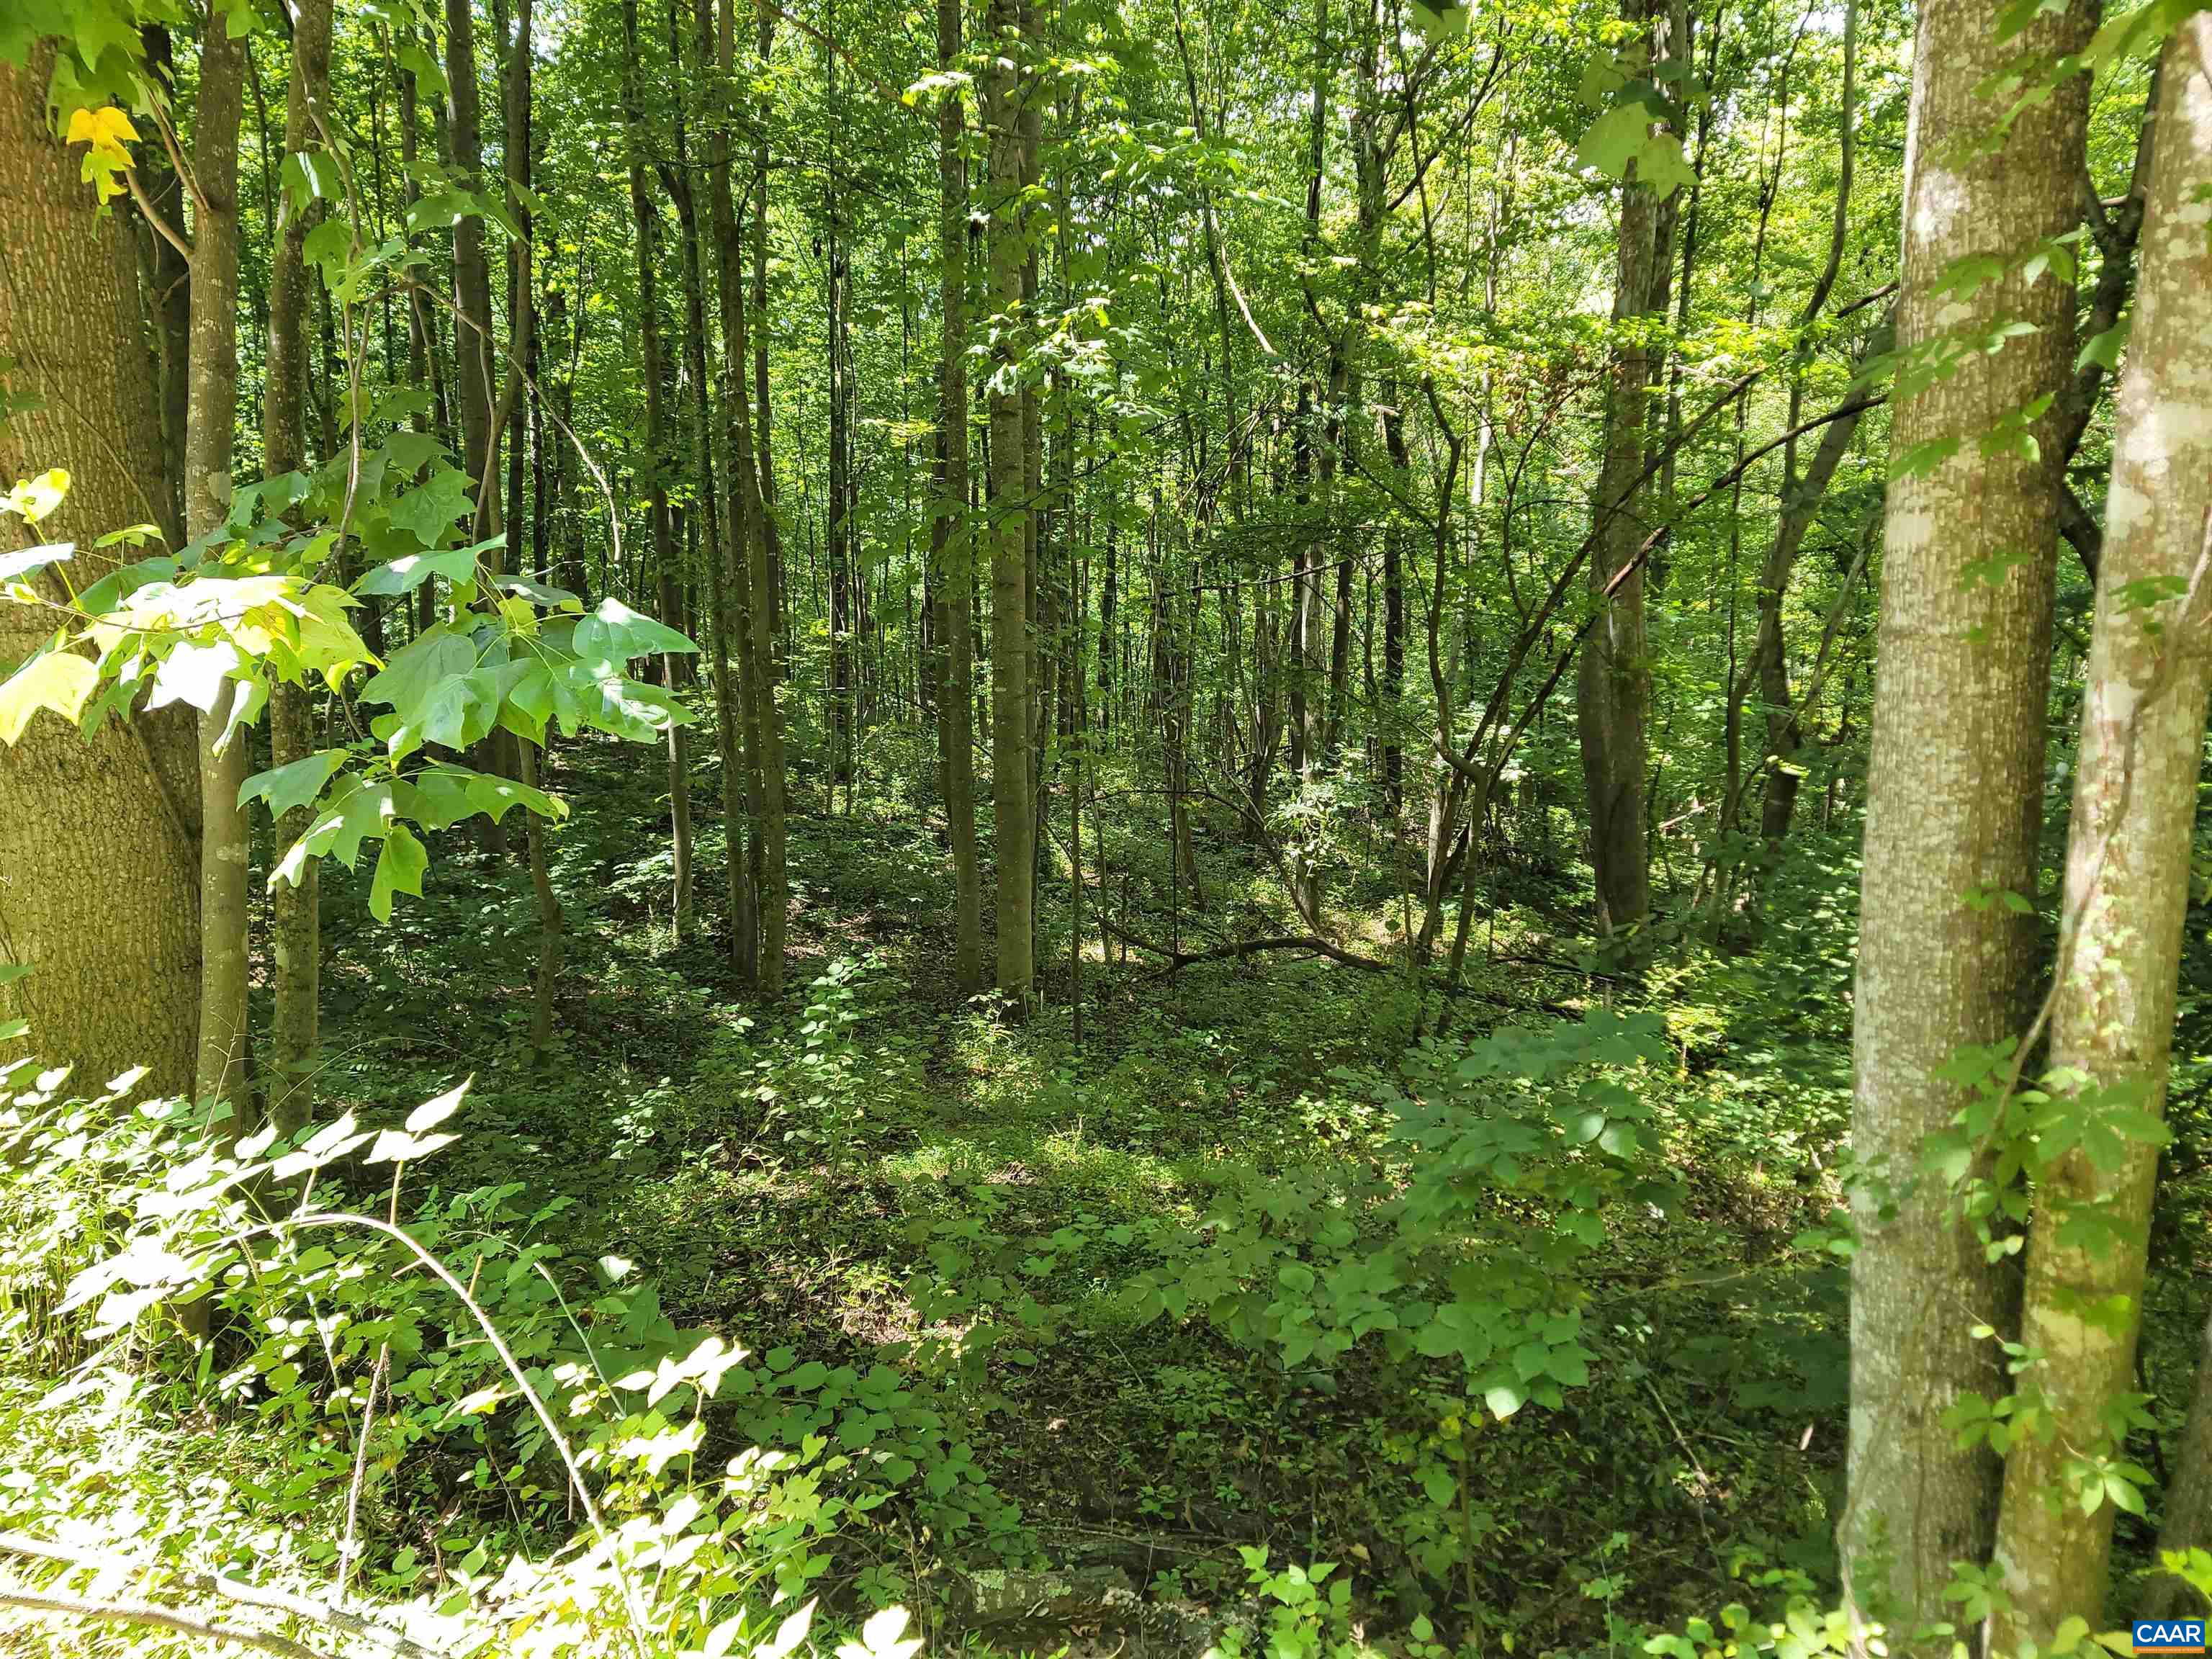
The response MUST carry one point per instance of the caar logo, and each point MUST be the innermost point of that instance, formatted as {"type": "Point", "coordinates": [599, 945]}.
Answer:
{"type": "Point", "coordinates": [2169, 1636]}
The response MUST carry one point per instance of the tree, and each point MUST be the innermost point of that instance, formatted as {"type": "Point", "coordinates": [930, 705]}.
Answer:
{"type": "Point", "coordinates": [101, 842]}
{"type": "Point", "coordinates": [645, 217]}
{"type": "Point", "coordinates": [2127, 889]}
{"type": "Point", "coordinates": [1613, 680]}
{"type": "Point", "coordinates": [1012, 803]}
{"type": "Point", "coordinates": [951, 533]}
{"type": "Point", "coordinates": [225, 1038]}
{"type": "Point", "coordinates": [1954, 781]}
{"type": "Point", "coordinates": [729, 585]}
{"type": "Point", "coordinates": [295, 932]}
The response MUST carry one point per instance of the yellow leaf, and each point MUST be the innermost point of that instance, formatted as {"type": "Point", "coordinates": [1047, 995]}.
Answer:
{"type": "Point", "coordinates": [36, 497]}
{"type": "Point", "coordinates": [104, 131]}
{"type": "Point", "coordinates": [59, 680]}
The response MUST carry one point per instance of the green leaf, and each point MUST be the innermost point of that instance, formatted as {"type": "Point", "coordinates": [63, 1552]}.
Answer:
{"type": "Point", "coordinates": [433, 506]}
{"type": "Point", "coordinates": [329, 245]}
{"type": "Point", "coordinates": [311, 176]}
{"type": "Point", "coordinates": [399, 870]}
{"type": "Point", "coordinates": [194, 674]}
{"type": "Point", "coordinates": [288, 788]}
{"type": "Point", "coordinates": [405, 574]}
{"type": "Point", "coordinates": [614, 633]}
{"type": "Point", "coordinates": [1614, 139]}
{"type": "Point", "coordinates": [406, 681]}
{"type": "Point", "coordinates": [433, 1112]}
{"type": "Point", "coordinates": [2104, 350]}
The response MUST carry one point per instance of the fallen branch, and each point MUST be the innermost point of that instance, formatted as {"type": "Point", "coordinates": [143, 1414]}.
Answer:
{"type": "Point", "coordinates": [145, 1613]}
{"type": "Point", "coordinates": [253, 1596]}
{"type": "Point", "coordinates": [1176, 960]}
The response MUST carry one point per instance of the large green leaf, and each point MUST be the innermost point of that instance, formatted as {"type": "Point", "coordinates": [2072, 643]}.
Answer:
{"type": "Point", "coordinates": [410, 571]}
{"type": "Point", "coordinates": [614, 633]}
{"type": "Point", "coordinates": [399, 869]}
{"type": "Point", "coordinates": [288, 788]}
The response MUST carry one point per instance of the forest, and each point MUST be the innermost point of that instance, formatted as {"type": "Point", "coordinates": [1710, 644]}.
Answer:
{"type": "Point", "coordinates": [1077, 828]}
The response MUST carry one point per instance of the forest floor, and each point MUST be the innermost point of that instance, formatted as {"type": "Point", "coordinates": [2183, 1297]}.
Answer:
{"type": "Point", "coordinates": [877, 1169]}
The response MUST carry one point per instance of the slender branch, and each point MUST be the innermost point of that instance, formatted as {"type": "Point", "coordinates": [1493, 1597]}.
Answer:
{"type": "Point", "coordinates": [152, 216]}
{"type": "Point", "coordinates": [146, 1613]}
{"type": "Point", "coordinates": [252, 1595]}
{"type": "Point", "coordinates": [1857, 405]}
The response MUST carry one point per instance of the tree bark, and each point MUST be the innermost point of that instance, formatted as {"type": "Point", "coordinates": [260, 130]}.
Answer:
{"type": "Point", "coordinates": [224, 1034]}
{"type": "Point", "coordinates": [474, 352]}
{"type": "Point", "coordinates": [296, 943]}
{"type": "Point", "coordinates": [1613, 677]}
{"type": "Point", "coordinates": [951, 537]}
{"type": "Point", "coordinates": [2188, 1523]}
{"type": "Point", "coordinates": [653, 368]}
{"type": "Point", "coordinates": [169, 290]}
{"type": "Point", "coordinates": [2127, 886]}
{"type": "Point", "coordinates": [1954, 795]}
{"type": "Point", "coordinates": [729, 591]}
{"type": "Point", "coordinates": [765, 557]}
{"type": "Point", "coordinates": [1011, 796]}
{"type": "Point", "coordinates": [99, 842]}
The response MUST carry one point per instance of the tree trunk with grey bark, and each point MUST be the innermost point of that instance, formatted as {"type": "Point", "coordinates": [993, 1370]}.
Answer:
{"type": "Point", "coordinates": [2127, 887]}
{"type": "Point", "coordinates": [1954, 797]}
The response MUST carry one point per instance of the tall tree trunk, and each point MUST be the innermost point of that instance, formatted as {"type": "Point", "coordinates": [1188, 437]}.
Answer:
{"type": "Point", "coordinates": [837, 507]}
{"type": "Point", "coordinates": [1954, 793]}
{"type": "Point", "coordinates": [1110, 599]}
{"type": "Point", "coordinates": [765, 557]}
{"type": "Point", "coordinates": [2188, 1523]}
{"type": "Point", "coordinates": [422, 328]}
{"type": "Point", "coordinates": [951, 537]}
{"type": "Point", "coordinates": [521, 289]}
{"type": "Point", "coordinates": [2127, 886]}
{"type": "Point", "coordinates": [99, 839]}
{"type": "Point", "coordinates": [1393, 632]}
{"type": "Point", "coordinates": [169, 289]}
{"type": "Point", "coordinates": [1800, 499]}
{"type": "Point", "coordinates": [209, 417]}
{"type": "Point", "coordinates": [728, 736]}
{"type": "Point", "coordinates": [1306, 681]}
{"type": "Point", "coordinates": [1036, 514]}
{"type": "Point", "coordinates": [645, 219]}
{"type": "Point", "coordinates": [1613, 677]}
{"type": "Point", "coordinates": [730, 589]}
{"type": "Point", "coordinates": [474, 352]}
{"type": "Point", "coordinates": [295, 942]}
{"type": "Point", "coordinates": [1011, 796]}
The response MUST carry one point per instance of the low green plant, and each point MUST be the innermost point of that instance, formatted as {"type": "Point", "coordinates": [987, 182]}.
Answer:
{"type": "Point", "coordinates": [423, 1398]}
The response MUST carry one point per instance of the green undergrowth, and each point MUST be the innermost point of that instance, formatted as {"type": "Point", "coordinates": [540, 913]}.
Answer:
{"type": "Point", "coordinates": [1533, 1335]}
{"type": "Point", "coordinates": [1070, 1250]}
